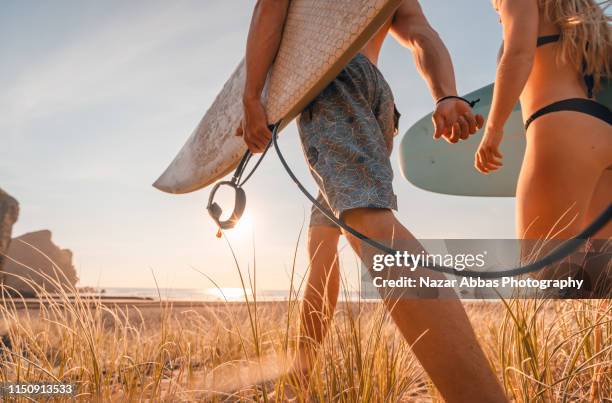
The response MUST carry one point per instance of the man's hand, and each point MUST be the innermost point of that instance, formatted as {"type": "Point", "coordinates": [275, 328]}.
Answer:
{"type": "Point", "coordinates": [254, 126]}
{"type": "Point", "coordinates": [454, 120]}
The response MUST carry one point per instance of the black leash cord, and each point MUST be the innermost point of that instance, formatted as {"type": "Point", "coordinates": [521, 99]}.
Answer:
{"type": "Point", "coordinates": [558, 253]}
{"type": "Point", "coordinates": [241, 167]}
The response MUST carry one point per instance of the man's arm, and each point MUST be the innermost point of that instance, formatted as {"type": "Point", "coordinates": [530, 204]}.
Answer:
{"type": "Point", "coordinates": [411, 29]}
{"type": "Point", "coordinates": [452, 118]}
{"type": "Point", "coordinates": [262, 44]}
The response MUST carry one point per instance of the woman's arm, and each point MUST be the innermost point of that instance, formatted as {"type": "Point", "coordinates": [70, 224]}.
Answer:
{"type": "Point", "coordinates": [520, 23]}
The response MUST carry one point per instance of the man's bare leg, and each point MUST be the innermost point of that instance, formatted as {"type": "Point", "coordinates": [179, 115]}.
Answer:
{"type": "Point", "coordinates": [320, 294]}
{"type": "Point", "coordinates": [439, 329]}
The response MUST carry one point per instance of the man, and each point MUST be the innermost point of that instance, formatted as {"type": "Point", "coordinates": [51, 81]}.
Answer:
{"type": "Point", "coordinates": [347, 134]}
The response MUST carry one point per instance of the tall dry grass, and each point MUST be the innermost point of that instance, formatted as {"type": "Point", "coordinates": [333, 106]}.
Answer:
{"type": "Point", "coordinates": [543, 350]}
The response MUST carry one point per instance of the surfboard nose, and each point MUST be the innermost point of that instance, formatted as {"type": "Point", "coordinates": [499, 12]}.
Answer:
{"type": "Point", "coordinates": [162, 184]}
{"type": "Point", "coordinates": [182, 175]}
{"type": "Point", "coordinates": [178, 178]}
{"type": "Point", "coordinates": [166, 184]}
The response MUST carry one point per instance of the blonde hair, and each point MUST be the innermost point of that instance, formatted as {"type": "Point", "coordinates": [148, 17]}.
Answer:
{"type": "Point", "coordinates": [586, 38]}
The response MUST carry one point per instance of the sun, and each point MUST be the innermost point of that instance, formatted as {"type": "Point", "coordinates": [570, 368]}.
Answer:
{"type": "Point", "coordinates": [244, 227]}
{"type": "Point", "coordinates": [229, 293]}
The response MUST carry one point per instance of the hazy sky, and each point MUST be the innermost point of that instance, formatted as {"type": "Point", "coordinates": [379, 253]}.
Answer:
{"type": "Point", "coordinates": [97, 97]}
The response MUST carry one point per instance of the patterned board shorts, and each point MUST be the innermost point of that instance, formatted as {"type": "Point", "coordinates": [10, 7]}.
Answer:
{"type": "Point", "coordinates": [347, 136]}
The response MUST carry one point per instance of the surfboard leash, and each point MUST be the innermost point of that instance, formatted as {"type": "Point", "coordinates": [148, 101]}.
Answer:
{"type": "Point", "coordinates": [237, 182]}
{"type": "Point", "coordinates": [555, 255]}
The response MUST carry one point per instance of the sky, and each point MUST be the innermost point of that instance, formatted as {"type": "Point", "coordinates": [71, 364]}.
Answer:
{"type": "Point", "coordinates": [98, 97]}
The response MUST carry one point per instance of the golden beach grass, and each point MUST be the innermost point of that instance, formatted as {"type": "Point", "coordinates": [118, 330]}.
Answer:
{"type": "Point", "coordinates": [542, 350]}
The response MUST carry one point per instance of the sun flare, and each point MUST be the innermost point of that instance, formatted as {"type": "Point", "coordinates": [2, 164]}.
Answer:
{"type": "Point", "coordinates": [244, 227]}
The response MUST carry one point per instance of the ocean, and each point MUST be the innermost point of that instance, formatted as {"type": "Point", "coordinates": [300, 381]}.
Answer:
{"type": "Point", "coordinates": [224, 294]}
{"type": "Point", "coordinates": [200, 294]}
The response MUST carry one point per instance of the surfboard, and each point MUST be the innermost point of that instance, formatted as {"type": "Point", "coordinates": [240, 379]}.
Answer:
{"type": "Point", "coordinates": [319, 38]}
{"type": "Point", "coordinates": [441, 167]}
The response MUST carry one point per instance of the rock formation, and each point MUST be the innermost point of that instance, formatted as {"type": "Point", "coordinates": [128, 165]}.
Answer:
{"type": "Point", "coordinates": [38, 257]}
{"type": "Point", "coordinates": [9, 211]}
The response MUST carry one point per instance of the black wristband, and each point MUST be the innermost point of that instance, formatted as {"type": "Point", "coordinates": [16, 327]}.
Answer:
{"type": "Point", "coordinates": [471, 103]}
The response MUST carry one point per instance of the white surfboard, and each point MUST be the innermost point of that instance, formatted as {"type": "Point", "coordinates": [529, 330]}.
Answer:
{"type": "Point", "coordinates": [446, 168]}
{"type": "Point", "coordinates": [319, 38]}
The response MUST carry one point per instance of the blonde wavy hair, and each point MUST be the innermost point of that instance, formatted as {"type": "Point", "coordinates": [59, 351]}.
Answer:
{"type": "Point", "coordinates": [586, 37]}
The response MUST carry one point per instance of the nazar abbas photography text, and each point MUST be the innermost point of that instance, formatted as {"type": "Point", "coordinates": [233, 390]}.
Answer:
{"type": "Point", "coordinates": [410, 262]}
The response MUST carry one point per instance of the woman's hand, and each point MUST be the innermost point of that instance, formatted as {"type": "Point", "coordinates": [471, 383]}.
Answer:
{"type": "Point", "coordinates": [488, 158]}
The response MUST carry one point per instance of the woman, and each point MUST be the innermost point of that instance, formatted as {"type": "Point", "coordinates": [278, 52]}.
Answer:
{"type": "Point", "coordinates": [555, 55]}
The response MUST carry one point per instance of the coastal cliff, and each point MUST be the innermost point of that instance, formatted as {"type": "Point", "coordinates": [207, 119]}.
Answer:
{"type": "Point", "coordinates": [34, 256]}
{"type": "Point", "coordinates": [9, 212]}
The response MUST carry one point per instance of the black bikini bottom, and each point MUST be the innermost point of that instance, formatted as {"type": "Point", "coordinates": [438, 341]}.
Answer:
{"type": "Point", "coordinates": [582, 105]}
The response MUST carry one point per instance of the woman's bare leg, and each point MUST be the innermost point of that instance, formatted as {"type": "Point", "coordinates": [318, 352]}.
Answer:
{"type": "Point", "coordinates": [602, 197]}
{"type": "Point", "coordinates": [602, 279]}
{"type": "Point", "coordinates": [598, 263]}
{"type": "Point", "coordinates": [438, 329]}
{"type": "Point", "coordinates": [320, 294]}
